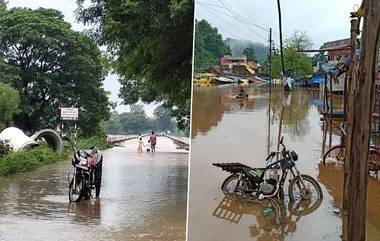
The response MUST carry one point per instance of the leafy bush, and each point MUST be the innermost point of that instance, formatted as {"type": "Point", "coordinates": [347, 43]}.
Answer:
{"type": "Point", "coordinates": [99, 142]}
{"type": "Point", "coordinates": [5, 148]}
{"type": "Point", "coordinates": [29, 160]}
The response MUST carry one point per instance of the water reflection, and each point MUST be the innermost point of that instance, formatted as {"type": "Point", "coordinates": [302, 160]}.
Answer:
{"type": "Point", "coordinates": [210, 103]}
{"type": "Point", "coordinates": [275, 218]}
{"type": "Point", "coordinates": [242, 132]}
{"type": "Point", "coordinates": [143, 197]}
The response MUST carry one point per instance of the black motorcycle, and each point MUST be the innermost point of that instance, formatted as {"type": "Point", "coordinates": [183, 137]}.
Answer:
{"type": "Point", "coordinates": [269, 181]}
{"type": "Point", "coordinates": [87, 174]}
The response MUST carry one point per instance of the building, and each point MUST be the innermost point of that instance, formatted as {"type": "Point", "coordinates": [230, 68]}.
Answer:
{"type": "Point", "coordinates": [239, 66]}
{"type": "Point", "coordinates": [335, 55]}
{"type": "Point", "coordinates": [227, 60]}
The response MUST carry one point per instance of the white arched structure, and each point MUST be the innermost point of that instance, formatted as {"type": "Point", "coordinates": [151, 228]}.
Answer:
{"type": "Point", "coordinates": [19, 141]}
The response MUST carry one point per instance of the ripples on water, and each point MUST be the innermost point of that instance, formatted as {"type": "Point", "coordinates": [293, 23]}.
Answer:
{"type": "Point", "coordinates": [143, 197]}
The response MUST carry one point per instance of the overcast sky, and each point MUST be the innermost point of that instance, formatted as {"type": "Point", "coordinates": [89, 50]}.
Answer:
{"type": "Point", "coordinates": [67, 7]}
{"type": "Point", "coordinates": [323, 20]}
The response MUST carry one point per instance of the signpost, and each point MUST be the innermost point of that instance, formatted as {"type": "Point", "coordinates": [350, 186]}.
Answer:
{"type": "Point", "coordinates": [70, 114]}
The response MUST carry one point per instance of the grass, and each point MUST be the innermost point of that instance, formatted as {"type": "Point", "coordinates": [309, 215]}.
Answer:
{"type": "Point", "coordinates": [29, 160]}
{"type": "Point", "coordinates": [99, 142]}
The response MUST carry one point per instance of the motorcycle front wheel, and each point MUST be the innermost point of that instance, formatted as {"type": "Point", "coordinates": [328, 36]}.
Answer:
{"type": "Point", "coordinates": [311, 190]}
{"type": "Point", "coordinates": [232, 184]}
{"type": "Point", "coordinates": [76, 191]}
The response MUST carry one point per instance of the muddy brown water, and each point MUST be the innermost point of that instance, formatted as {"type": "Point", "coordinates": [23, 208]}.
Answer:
{"type": "Point", "coordinates": [228, 130]}
{"type": "Point", "coordinates": [143, 197]}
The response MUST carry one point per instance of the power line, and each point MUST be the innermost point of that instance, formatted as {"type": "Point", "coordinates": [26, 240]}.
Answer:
{"type": "Point", "coordinates": [228, 8]}
{"type": "Point", "coordinates": [255, 11]}
{"type": "Point", "coordinates": [239, 20]}
{"type": "Point", "coordinates": [229, 23]}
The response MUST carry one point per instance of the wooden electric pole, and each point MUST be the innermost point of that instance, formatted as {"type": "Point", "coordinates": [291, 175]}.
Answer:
{"type": "Point", "coordinates": [270, 57]}
{"type": "Point", "coordinates": [270, 86]}
{"type": "Point", "coordinates": [281, 47]}
{"type": "Point", "coordinates": [359, 119]}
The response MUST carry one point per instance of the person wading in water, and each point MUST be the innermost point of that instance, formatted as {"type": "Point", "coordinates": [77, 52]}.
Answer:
{"type": "Point", "coordinates": [153, 141]}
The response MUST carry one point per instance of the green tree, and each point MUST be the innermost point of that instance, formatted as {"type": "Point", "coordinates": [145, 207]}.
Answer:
{"type": "Point", "coordinates": [297, 65]}
{"type": "Point", "coordinates": [209, 46]}
{"type": "Point", "coordinates": [114, 125]}
{"type": "Point", "coordinates": [9, 104]}
{"type": "Point", "coordinates": [163, 119]}
{"type": "Point", "coordinates": [54, 67]}
{"type": "Point", "coordinates": [299, 41]}
{"type": "Point", "coordinates": [136, 121]}
{"type": "Point", "coordinates": [150, 44]}
{"type": "Point", "coordinates": [250, 53]}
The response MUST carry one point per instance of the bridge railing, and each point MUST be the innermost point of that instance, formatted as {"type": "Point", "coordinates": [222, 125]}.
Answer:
{"type": "Point", "coordinates": [182, 142]}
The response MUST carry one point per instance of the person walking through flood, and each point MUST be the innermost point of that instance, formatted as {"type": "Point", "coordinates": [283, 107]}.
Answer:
{"type": "Point", "coordinates": [242, 93]}
{"type": "Point", "coordinates": [153, 141]}
{"type": "Point", "coordinates": [141, 144]}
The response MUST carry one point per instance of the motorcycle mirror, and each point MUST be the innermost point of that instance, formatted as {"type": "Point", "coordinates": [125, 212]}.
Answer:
{"type": "Point", "coordinates": [282, 138]}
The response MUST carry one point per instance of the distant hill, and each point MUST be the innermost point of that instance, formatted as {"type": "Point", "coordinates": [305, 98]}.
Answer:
{"type": "Point", "coordinates": [237, 47]}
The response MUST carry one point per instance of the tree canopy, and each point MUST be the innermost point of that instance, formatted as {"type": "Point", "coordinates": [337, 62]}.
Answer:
{"type": "Point", "coordinates": [297, 65]}
{"type": "Point", "coordinates": [51, 66]}
{"type": "Point", "coordinates": [150, 45]}
{"type": "Point", "coordinates": [299, 41]}
{"type": "Point", "coordinates": [250, 53]}
{"type": "Point", "coordinates": [137, 122]}
{"type": "Point", "coordinates": [9, 104]}
{"type": "Point", "coordinates": [209, 46]}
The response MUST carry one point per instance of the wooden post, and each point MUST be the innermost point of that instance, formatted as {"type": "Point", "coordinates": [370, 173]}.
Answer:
{"type": "Point", "coordinates": [270, 85]}
{"type": "Point", "coordinates": [360, 126]}
{"type": "Point", "coordinates": [331, 110]}
{"type": "Point", "coordinates": [281, 47]}
{"type": "Point", "coordinates": [350, 95]}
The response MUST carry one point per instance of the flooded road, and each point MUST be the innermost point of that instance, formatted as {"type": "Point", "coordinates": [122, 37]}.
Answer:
{"type": "Point", "coordinates": [228, 130]}
{"type": "Point", "coordinates": [143, 197]}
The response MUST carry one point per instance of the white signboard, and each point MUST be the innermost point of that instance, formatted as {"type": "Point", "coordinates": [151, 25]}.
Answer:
{"type": "Point", "coordinates": [69, 113]}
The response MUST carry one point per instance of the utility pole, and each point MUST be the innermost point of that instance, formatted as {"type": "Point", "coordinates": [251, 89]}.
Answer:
{"type": "Point", "coordinates": [281, 47]}
{"type": "Point", "coordinates": [283, 71]}
{"type": "Point", "coordinates": [270, 85]}
{"type": "Point", "coordinates": [270, 57]}
{"type": "Point", "coordinates": [358, 138]}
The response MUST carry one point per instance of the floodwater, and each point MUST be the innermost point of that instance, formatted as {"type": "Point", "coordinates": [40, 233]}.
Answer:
{"type": "Point", "coordinates": [230, 130]}
{"type": "Point", "coordinates": [143, 197]}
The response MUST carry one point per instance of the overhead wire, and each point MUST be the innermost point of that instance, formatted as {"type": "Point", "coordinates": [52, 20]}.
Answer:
{"type": "Point", "coordinates": [239, 20]}
{"type": "Point", "coordinates": [212, 11]}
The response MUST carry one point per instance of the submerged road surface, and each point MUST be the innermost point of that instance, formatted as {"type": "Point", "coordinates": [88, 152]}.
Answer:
{"type": "Point", "coordinates": [143, 197]}
{"type": "Point", "coordinates": [243, 131]}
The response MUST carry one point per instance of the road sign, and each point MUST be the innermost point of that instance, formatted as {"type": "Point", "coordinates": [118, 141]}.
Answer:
{"type": "Point", "coordinates": [69, 113]}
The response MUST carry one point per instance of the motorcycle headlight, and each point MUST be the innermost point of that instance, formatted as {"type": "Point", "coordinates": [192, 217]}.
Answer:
{"type": "Point", "coordinates": [294, 155]}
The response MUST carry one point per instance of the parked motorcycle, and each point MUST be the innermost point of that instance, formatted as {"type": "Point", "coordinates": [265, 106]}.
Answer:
{"type": "Point", "coordinates": [87, 174]}
{"type": "Point", "coordinates": [269, 181]}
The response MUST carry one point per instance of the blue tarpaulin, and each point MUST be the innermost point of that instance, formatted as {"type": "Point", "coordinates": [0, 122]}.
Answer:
{"type": "Point", "coordinates": [316, 79]}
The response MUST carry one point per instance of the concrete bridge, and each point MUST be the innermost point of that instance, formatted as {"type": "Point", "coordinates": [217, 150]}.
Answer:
{"type": "Point", "coordinates": [181, 142]}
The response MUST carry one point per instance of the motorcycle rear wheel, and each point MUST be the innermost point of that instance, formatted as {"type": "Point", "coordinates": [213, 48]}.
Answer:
{"type": "Point", "coordinates": [230, 185]}
{"type": "Point", "coordinates": [76, 193]}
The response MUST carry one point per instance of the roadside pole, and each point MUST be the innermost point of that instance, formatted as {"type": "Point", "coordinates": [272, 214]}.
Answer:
{"type": "Point", "coordinates": [270, 85]}
{"type": "Point", "coordinates": [70, 114]}
{"type": "Point", "coordinates": [281, 47]}
{"type": "Point", "coordinates": [358, 140]}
